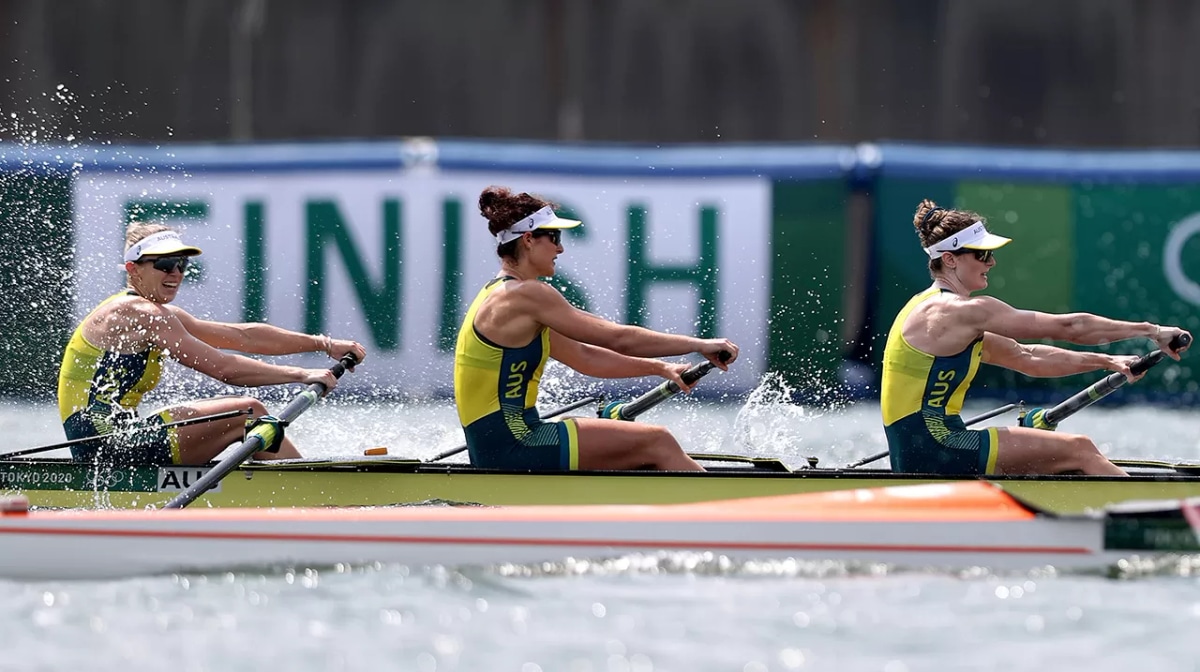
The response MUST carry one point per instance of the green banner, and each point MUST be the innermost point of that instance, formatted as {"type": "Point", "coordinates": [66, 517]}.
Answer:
{"type": "Point", "coordinates": [35, 272]}
{"type": "Point", "coordinates": [810, 251]}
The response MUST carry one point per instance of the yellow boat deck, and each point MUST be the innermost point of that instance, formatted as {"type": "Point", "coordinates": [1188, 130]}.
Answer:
{"type": "Point", "coordinates": [391, 480]}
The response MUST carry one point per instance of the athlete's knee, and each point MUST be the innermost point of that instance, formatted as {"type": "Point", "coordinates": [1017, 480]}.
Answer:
{"type": "Point", "coordinates": [663, 446]}
{"type": "Point", "coordinates": [1083, 446]}
{"type": "Point", "coordinates": [257, 408]}
{"type": "Point", "coordinates": [1082, 453]}
{"type": "Point", "coordinates": [663, 437]}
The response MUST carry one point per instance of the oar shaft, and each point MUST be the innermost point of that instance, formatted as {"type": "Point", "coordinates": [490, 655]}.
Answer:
{"type": "Point", "coordinates": [632, 409]}
{"type": "Point", "coordinates": [551, 414]}
{"type": "Point", "coordinates": [990, 414]}
{"type": "Point", "coordinates": [979, 418]}
{"type": "Point", "coordinates": [115, 435]}
{"type": "Point", "coordinates": [1110, 383]}
{"type": "Point", "coordinates": [1086, 397]}
{"type": "Point", "coordinates": [259, 438]}
{"type": "Point", "coordinates": [666, 390]}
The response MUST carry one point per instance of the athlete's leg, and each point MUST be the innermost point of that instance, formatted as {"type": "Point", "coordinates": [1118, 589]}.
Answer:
{"type": "Point", "coordinates": [203, 441]}
{"type": "Point", "coordinates": [1024, 450]}
{"type": "Point", "coordinates": [617, 444]}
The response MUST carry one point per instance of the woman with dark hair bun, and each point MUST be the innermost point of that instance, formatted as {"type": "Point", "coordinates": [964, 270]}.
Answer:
{"type": "Point", "coordinates": [942, 334]}
{"type": "Point", "coordinates": [517, 321]}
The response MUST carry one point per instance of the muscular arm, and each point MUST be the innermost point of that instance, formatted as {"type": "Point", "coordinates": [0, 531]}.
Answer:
{"type": "Point", "coordinates": [1040, 361]}
{"type": "Point", "coordinates": [992, 315]}
{"type": "Point", "coordinates": [599, 362]}
{"type": "Point", "coordinates": [544, 304]}
{"type": "Point", "coordinates": [166, 331]}
{"type": "Point", "coordinates": [255, 337]}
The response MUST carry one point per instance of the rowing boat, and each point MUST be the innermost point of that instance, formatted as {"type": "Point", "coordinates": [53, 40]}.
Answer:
{"type": "Point", "coordinates": [373, 481]}
{"type": "Point", "coordinates": [950, 525]}
{"type": "Point", "coordinates": [384, 480]}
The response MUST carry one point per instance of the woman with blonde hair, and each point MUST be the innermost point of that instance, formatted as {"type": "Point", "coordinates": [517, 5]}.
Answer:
{"type": "Point", "coordinates": [115, 356]}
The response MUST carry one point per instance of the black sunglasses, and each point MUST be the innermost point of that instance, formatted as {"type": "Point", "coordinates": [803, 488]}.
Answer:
{"type": "Point", "coordinates": [982, 255]}
{"type": "Point", "coordinates": [168, 264]}
{"type": "Point", "coordinates": [555, 235]}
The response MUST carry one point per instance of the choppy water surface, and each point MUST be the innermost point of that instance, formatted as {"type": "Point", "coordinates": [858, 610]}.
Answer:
{"type": "Point", "coordinates": [652, 612]}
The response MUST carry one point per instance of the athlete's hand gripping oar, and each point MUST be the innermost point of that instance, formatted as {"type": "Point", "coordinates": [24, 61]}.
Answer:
{"type": "Point", "coordinates": [552, 414]}
{"type": "Point", "coordinates": [1097, 391]}
{"type": "Point", "coordinates": [631, 409]}
{"type": "Point", "coordinates": [261, 436]}
{"type": "Point", "coordinates": [979, 418]}
{"type": "Point", "coordinates": [116, 435]}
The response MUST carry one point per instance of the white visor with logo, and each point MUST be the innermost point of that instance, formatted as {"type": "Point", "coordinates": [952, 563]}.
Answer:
{"type": "Point", "coordinates": [160, 244]}
{"type": "Point", "coordinates": [542, 219]}
{"type": "Point", "coordinates": [976, 237]}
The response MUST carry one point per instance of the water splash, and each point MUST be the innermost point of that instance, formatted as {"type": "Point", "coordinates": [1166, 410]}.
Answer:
{"type": "Point", "coordinates": [709, 564]}
{"type": "Point", "coordinates": [767, 423]}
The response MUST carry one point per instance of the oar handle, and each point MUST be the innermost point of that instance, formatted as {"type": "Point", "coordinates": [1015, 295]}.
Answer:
{"type": "Point", "coordinates": [260, 437]}
{"type": "Point", "coordinates": [1109, 384]}
{"type": "Point", "coordinates": [313, 393]}
{"type": "Point", "coordinates": [666, 390]}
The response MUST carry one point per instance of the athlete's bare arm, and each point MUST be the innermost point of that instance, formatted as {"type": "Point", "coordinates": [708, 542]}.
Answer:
{"type": "Point", "coordinates": [164, 330]}
{"type": "Point", "coordinates": [598, 362]}
{"type": "Point", "coordinates": [263, 339]}
{"type": "Point", "coordinates": [1047, 361]}
{"type": "Point", "coordinates": [995, 316]}
{"type": "Point", "coordinates": [547, 306]}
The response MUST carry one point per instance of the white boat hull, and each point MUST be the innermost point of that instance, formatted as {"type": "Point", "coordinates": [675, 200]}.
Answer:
{"type": "Point", "coordinates": [914, 526]}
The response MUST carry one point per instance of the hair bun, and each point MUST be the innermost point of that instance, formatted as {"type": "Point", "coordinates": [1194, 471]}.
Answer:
{"type": "Point", "coordinates": [923, 218]}
{"type": "Point", "coordinates": [490, 198]}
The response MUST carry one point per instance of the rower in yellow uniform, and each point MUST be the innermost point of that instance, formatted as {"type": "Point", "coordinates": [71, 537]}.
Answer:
{"type": "Point", "coordinates": [517, 322]}
{"type": "Point", "coordinates": [115, 357]}
{"type": "Point", "coordinates": [941, 336]}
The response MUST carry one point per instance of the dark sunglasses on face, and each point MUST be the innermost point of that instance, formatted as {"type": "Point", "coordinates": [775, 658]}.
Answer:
{"type": "Point", "coordinates": [555, 235]}
{"type": "Point", "coordinates": [168, 264]}
{"type": "Point", "coordinates": [982, 255]}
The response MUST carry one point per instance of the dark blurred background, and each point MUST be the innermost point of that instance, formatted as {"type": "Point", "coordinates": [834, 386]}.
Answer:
{"type": "Point", "coordinates": [861, 107]}
{"type": "Point", "coordinates": [1082, 73]}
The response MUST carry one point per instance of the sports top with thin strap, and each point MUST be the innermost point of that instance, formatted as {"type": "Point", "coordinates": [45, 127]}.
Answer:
{"type": "Point", "coordinates": [921, 398]}
{"type": "Point", "coordinates": [495, 391]}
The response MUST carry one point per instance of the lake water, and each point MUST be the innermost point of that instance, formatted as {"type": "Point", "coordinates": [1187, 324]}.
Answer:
{"type": "Point", "coordinates": [634, 614]}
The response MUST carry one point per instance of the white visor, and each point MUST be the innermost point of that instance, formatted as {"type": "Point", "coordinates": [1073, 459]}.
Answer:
{"type": "Point", "coordinates": [161, 243]}
{"type": "Point", "coordinates": [542, 219]}
{"type": "Point", "coordinates": [974, 238]}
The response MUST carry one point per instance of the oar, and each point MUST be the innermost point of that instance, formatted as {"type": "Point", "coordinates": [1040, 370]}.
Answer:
{"type": "Point", "coordinates": [85, 439]}
{"type": "Point", "coordinates": [979, 418]}
{"type": "Point", "coordinates": [260, 437]}
{"type": "Point", "coordinates": [551, 414]}
{"type": "Point", "coordinates": [631, 409]}
{"type": "Point", "coordinates": [1110, 383]}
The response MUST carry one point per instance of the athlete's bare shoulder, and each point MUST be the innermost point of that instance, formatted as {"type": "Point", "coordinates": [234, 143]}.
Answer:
{"type": "Point", "coordinates": [529, 293]}
{"type": "Point", "coordinates": [137, 308]}
{"type": "Point", "coordinates": [126, 322]}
